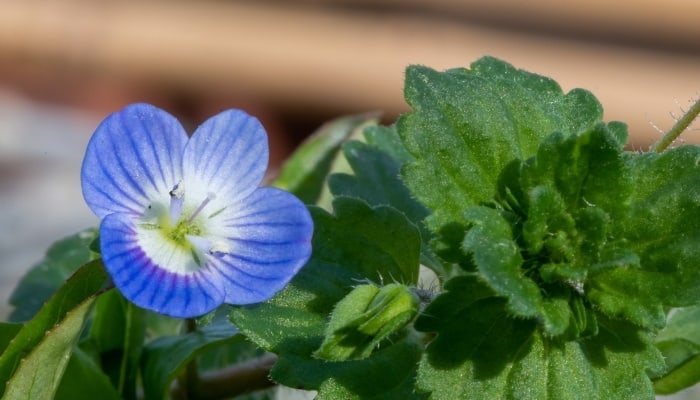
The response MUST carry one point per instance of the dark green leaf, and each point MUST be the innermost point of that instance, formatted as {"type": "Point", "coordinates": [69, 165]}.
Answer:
{"type": "Point", "coordinates": [376, 180]}
{"type": "Point", "coordinates": [8, 331]}
{"type": "Point", "coordinates": [498, 259]}
{"type": "Point", "coordinates": [83, 285]}
{"type": "Point", "coordinates": [480, 352]}
{"type": "Point", "coordinates": [62, 259]}
{"type": "Point", "coordinates": [388, 374]}
{"type": "Point", "coordinates": [468, 125]}
{"type": "Point", "coordinates": [165, 357]}
{"type": "Point", "coordinates": [664, 231]}
{"type": "Point", "coordinates": [304, 174]}
{"type": "Point", "coordinates": [357, 244]}
{"type": "Point", "coordinates": [84, 380]}
{"type": "Point", "coordinates": [117, 332]}
{"type": "Point", "coordinates": [386, 139]}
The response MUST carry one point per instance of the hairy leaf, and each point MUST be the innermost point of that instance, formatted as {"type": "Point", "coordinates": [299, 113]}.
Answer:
{"type": "Point", "coordinates": [663, 230]}
{"type": "Point", "coordinates": [356, 244]}
{"type": "Point", "coordinates": [480, 352]}
{"type": "Point", "coordinates": [364, 318]}
{"type": "Point", "coordinates": [376, 180]}
{"type": "Point", "coordinates": [467, 125]}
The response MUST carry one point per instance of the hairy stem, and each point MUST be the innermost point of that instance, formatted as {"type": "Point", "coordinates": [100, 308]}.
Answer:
{"type": "Point", "coordinates": [680, 126]}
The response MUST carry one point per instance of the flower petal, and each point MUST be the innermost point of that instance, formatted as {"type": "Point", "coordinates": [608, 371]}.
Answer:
{"type": "Point", "coordinates": [129, 260]}
{"type": "Point", "coordinates": [133, 158]}
{"type": "Point", "coordinates": [270, 240]}
{"type": "Point", "coordinates": [227, 156]}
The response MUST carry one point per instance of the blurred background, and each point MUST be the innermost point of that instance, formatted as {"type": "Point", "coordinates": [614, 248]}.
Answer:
{"type": "Point", "coordinates": [295, 64]}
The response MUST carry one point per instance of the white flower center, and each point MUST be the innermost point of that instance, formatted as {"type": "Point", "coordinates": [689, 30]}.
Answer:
{"type": "Point", "coordinates": [176, 239]}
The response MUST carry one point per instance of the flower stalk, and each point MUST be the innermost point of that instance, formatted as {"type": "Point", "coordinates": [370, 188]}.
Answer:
{"type": "Point", "coordinates": [678, 128]}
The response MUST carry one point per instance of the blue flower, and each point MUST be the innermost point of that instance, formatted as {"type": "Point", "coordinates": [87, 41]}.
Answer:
{"type": "Point", "coordinates": [185, 227]}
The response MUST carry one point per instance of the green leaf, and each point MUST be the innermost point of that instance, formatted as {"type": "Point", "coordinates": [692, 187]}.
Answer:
{"type": "Point", "coordinates": [364, 318]}
{"type": "Point", "coordinates": [498, 259]}
{"type": "Point", "coordinates": [62, 259]}
{"type": "Point", "coordinates": [84, 380]}
{"type": "Point", "coordinates": [355, 245]}
{"type": "Point", "coordinates": [480, 352]}
{"type": "Point", "coordinates": [663, 230]}
{"type": "Point", "coordinates": [388, 374]}
{"type": "Point", "coordinates": [83, 285]}
{"type": "Point", "coordinates": [376, 180]}
{"type": "Point", "coordinates": [682, 359]}
{"type": "Point", "coordinates": [166, 357]}
{"type": "Point", "coordinates": [304, 174]}
{"type": "Point", "coordinates": [39, 373]}
{"type": "Point", "coordinates": [679, 342]}
{"type": "Point", "coordinates": [468, 125]}
{"type": "Point", "coordinates": [8, 331]}
{"type": "Point", "coordinates": [386, 139]}
{"type": "Point", "coordinates": [117, 334]}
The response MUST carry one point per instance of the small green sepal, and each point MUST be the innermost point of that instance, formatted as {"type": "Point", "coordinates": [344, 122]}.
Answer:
{"type": "Point", "coordinates": [364, 318]}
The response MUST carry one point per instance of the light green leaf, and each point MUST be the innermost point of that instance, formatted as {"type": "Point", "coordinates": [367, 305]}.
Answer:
{"type": "Point", "coordinates": [364, 318]}
{"type": "Point", "coordinates": [304, 174]}
{"type": "Point", "coordinates": [62, 259]}
{"type": "Point", "coordinates": [679, 342]}
{"type": "Point", "coordinates": [83, 285]}
{"type": "Point", "coordinates": [39, 372]}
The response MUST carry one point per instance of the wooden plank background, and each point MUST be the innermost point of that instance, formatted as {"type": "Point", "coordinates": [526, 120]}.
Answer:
{"type": "Point", "coordinates": [641, 58]}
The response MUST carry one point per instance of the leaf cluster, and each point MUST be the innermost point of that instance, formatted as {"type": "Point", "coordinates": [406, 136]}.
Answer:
{"type": "Point", "coordinates": [498, 241]}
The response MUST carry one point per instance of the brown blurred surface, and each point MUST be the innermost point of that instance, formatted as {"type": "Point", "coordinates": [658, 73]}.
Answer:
{"type": "Point", "coordinates": [304, 61]}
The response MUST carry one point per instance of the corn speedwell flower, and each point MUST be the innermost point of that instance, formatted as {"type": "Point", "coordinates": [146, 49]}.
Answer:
{"type": "Point", "coordinates": [185, 226]}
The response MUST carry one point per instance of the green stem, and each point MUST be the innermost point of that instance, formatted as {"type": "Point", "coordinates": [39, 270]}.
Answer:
{"type": "Point", "coordinates": [188, 384]}
{"type": "Point", "coordinates": [680, 126]}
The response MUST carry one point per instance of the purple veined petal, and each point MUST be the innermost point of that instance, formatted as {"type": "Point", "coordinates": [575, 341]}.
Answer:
{"type": "Point", "coordinates": [129, 259]}
{"type": "Point", "coordinates": [227, 156]}
{"type": "Point", "coordinates": [269, 238]}
{"type": "Point", "coordinates": [134, 155]}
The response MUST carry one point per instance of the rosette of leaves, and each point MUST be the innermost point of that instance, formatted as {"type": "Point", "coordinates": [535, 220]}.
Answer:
{"type": "Point", "coordinates": [558, 252]}
{"type": "Point", "coordinates": [570, 248]}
